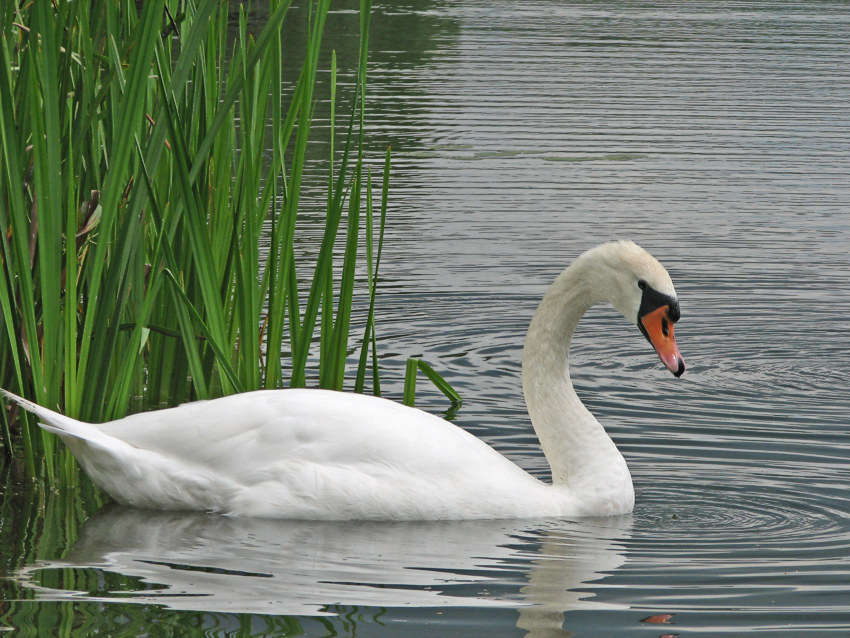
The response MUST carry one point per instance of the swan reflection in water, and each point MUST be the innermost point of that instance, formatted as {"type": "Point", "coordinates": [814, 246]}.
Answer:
{"type": "Point", "coordinates": [198, 562]}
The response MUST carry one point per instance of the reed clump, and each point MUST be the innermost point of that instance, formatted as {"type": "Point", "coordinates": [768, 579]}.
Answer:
{"type": "Point", "coordinates": [148, 234]}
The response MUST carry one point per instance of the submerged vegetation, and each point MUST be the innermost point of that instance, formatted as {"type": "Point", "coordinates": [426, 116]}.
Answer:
{"type": "Point", "coordinates": [148, 235]}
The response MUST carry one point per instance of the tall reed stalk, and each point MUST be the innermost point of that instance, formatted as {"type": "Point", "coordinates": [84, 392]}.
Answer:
{"type": "Point", "coordinates": [135, 195]}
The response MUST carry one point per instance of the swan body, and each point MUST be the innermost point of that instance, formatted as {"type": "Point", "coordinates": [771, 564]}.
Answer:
{"type": "Point", "coordinates": [319, 454]}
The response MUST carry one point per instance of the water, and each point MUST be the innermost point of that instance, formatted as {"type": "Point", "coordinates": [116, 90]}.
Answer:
{"type": "Point", "coordinates": [717, 135]}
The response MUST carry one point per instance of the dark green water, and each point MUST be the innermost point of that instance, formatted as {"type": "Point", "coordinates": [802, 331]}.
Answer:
{"type": "Point", "coordinates": [717, 135]}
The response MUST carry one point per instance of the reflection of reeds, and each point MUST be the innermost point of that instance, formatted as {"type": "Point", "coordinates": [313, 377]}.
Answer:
{"type": "Point", "coordinates": [134, 196]}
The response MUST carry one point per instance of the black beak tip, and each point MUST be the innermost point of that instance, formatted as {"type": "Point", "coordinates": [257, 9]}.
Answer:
{"type": "Point", "coordinates": [681, 369]}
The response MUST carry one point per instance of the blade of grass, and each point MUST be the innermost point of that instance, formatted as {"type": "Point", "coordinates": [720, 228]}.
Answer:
{"type": "Point", "coordinates": [372, 278]}
{"type": "Point", "coordinates": [47, 199]}
{"type": "Point", "coordinates": [127, 116]}
{"type": "Point", "coordinates": [334, 368]}
{"type": "Point", "coordinates": [417, 365]}
{"type": "Point", "coordinates": [301, 346]}
{"type": "Point", "coordinates": [221, 356]}
{"type": "Point", "coordinates": [18, 298]}
{"type": "Point", "coordinates": [194, 222]}
{"type": "Point", "coordinates": [270, 31]}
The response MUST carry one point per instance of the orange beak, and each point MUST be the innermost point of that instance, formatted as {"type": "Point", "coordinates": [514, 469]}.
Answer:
{"type": "Point", "coordinates": [658, 328]}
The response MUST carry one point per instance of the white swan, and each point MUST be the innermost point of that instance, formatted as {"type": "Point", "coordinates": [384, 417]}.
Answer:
{"type": "Point", "coordinates": [316, 454]}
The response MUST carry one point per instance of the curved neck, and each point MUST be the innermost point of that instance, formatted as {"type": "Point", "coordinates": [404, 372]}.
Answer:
{"type": "Point", "coordinates": [579, 451]}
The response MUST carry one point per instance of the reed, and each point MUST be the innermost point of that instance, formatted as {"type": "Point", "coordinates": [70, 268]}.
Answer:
{"type": "Point", "coordinates": [136, 199]}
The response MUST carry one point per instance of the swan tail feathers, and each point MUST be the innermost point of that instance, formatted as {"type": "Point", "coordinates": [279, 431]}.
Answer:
{"type": "Point", "coordinates": [59, 424]}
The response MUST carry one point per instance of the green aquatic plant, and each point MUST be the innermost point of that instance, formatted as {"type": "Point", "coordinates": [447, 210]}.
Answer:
{"type": "Point", "coordinates": [148, 235]}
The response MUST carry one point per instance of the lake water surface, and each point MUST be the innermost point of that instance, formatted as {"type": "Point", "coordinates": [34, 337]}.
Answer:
{"type": "Point", "coordinates": [715, 134]}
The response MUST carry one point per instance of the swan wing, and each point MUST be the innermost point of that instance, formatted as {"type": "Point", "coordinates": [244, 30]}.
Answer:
{"type": "Point", "coordinates": [255, 429]}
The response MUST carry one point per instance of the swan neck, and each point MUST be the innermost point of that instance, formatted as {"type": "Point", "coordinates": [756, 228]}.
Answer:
{"type": "Point", "coordinates": [579, 451]}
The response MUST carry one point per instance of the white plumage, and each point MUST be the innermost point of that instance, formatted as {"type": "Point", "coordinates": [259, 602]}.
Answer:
{"type": "Point", "coordinates": [318, 454]}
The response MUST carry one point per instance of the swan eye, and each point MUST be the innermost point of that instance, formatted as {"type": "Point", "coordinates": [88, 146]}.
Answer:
{"type": "Point", "coordinates": [642, 284]}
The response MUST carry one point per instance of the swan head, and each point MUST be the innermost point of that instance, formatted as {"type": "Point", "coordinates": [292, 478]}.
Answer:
{"type": "Point", "coordinates": [638, 286]}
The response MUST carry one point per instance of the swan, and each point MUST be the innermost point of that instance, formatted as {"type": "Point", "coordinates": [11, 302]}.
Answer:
{"type": "Point", "coordinates": [318, 454]}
